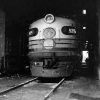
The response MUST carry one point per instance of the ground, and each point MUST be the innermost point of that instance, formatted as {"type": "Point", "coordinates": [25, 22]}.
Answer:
{"type": "Point", "coordinates": [80, 88]}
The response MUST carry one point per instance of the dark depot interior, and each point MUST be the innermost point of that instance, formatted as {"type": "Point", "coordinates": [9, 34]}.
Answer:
{"type": "Point", "coordinates": [16, 17]}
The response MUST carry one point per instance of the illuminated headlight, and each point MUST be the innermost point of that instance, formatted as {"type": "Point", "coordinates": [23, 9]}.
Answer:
{"type": "Point", "coordinates": [49, 33]}
{"type": "Point", "coordinates": [49, 18]}
{"type": "Point", "coordinates": [85, 56]}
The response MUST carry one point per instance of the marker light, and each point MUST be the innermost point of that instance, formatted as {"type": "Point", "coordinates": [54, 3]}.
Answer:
{"type": "Point", "coordinates": [33, 32]}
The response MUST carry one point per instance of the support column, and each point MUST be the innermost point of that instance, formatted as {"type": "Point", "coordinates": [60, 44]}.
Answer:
{"type": "Point", "coordinates": [2, 41]}
{"type": "Point", "coordinates": [98, 15]}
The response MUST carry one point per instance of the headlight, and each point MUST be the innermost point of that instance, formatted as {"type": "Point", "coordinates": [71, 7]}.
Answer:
{"type": "Point", "coordinates": [49, 18]}
{"type": "Point", "coordinates": [49, 33]}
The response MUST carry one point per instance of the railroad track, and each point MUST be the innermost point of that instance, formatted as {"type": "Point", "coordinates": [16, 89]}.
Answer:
{"type": "Point", "coordinates": [17, 86]}
{"type": "Point", "coordinates": [47, 96]}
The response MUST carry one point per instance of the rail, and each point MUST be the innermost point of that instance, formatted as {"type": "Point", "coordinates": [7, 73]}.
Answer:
{"type": "Point", "coordinates": [54, 89]}
{"type": "Point", "coordinates": [17, 86]}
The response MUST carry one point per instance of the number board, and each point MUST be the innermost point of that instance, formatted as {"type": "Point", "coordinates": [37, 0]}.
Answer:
{"type": "Point", "coordinates": [71, 30]}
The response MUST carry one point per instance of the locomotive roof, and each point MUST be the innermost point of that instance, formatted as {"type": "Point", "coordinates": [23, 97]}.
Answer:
{"type": "Point", "coordinates": [57, 19]}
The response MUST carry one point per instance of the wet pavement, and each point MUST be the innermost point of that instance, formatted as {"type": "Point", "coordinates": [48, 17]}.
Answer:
{"type": "Point", "coordinates": [80, 88]}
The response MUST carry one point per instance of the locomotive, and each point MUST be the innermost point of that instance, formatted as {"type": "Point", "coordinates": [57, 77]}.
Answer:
{"type": "Point", "coordinates": [56, 47]}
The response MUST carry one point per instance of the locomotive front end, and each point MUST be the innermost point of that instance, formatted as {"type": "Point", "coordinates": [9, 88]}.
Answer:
{"type": "Point", "coordinates": [53, 47]}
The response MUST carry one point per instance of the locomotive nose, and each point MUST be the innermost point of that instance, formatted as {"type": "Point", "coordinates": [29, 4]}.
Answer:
{"type": "Point", "coordinates": [49, 34]}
